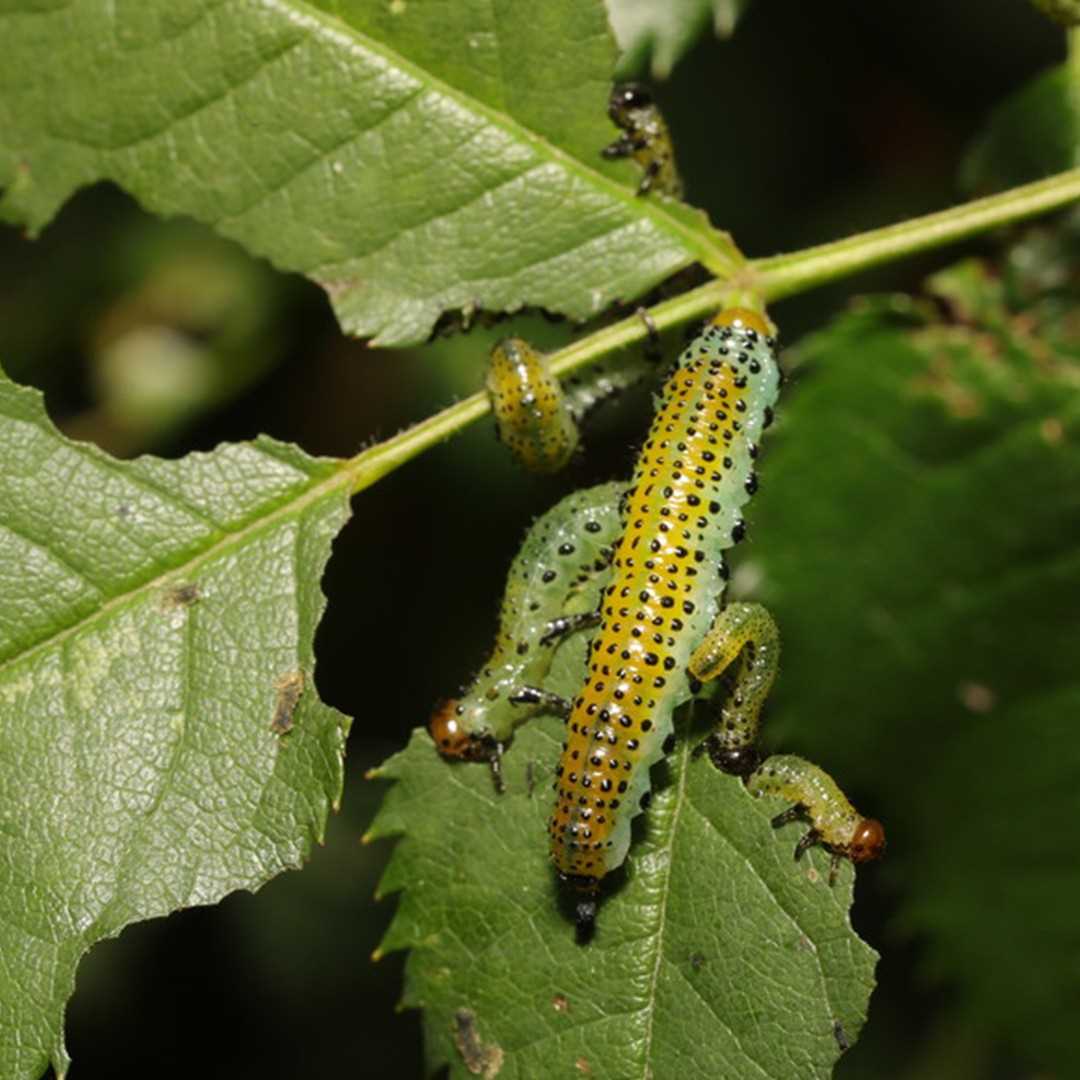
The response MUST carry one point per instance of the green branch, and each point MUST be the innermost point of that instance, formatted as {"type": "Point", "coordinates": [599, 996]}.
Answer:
{"type": "Point", "coordinates": [772, 278]}
{"type": "Point", "coordinates": [784, 275]}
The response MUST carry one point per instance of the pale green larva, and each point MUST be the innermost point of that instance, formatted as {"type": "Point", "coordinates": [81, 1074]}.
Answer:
{"type": "Point", "coordinates": [552, 589]}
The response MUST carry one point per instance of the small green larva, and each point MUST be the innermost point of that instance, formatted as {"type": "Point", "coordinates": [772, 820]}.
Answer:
{"type": "Point", "coordinates": [553, 587]}
{"type": "Point", "coordinates": [834, 823]}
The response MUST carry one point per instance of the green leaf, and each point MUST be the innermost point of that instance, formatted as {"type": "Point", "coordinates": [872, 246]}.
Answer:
{"type": "Point", "coordinates": [716, 954]}
{"type": "Point", "coordinates": [658, 35]}
{"type": "Point", "coordinates": [917, 540]}
{"type": "Point", "coordinates": [1033, 134]}
{"type": "Point", "coordinates": [410, 157]}
{"type": "Point", "coordinates": [161, 740]}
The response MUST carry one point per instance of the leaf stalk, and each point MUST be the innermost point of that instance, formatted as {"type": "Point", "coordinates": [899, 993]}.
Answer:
{"type": "Point", "coordinates": [773, 278]}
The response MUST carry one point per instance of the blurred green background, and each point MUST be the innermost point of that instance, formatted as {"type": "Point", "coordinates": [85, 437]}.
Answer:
{"type": "Point", "coordinates": [816, 121]}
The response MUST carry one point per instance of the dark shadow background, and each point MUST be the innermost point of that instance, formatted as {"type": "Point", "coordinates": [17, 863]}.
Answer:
{"type": "Point", "coordinates": [819, 120]}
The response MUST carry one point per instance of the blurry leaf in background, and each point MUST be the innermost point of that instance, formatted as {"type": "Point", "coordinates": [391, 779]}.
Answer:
{"type": "Point", "coordinates": [410, 158]}
{"type": "Point", "coordinates": [919, 528]}
{"type": "Point", "coordinates": [1066, 12]}
{"type": "Point", "coordinates": [654, 36]}
{"type": "Point", "coordinates": [155, 613]}
{"type": "Point", "coordinates": [1034, 133]}
{"type": "Point", "coordinates": [197, 328]}
{"type": "Point", "coordinates": [716, 954]}
{"type": "Point", "coordinates": [138, 328]}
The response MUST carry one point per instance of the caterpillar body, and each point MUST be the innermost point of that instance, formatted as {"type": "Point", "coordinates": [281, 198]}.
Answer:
{"type": "Point", "coordinates": [552, 589]}
{"type": "Point", "coordinates": [535, 415]}
{"type": "Point", "coordinates": [532, 414]}
{"type": "Point", "coordinates": [694, 473]}
{"type": "Point", "coordinates": [645, 138]}
{"type": "Point", "coordinates": [835, 823]}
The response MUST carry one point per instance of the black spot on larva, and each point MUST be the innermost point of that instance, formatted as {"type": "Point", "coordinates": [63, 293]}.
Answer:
{"type": "Point", "coordinates": [738, 531]}
{"type": "Point", "coordinates": [566, 549]}
{"type": "Point", "coordinates": [646, 800]}
{"type": "Point", "coordinates": [548, 576]}
{"type": "Point", "coordinates": [751, 483]}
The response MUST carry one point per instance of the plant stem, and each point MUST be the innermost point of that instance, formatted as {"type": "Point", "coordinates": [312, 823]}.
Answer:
{"type": "Point", "coordinates": [773, 278]}
{"type": "Point", "coordinates": [783, 275]}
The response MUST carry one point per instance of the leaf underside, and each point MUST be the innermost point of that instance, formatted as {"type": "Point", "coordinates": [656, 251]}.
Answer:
{"type": "Point", "coordinates": [161, 740]}
{"type": "Point", "coordinates": [411, 158]}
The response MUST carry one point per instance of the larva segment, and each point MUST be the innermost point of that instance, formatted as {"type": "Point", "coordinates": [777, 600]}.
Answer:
{"type": "Point", "coordinates": [744, 646]}
{"type": "Point", "coordinates": [645, 138]}
{"type": "Point", "coordinates": [692, 477]}
{"type": "Point", "coordinates": [555, 578]}
{"type": "Point", "coordinates": [834, 822]}
{"type": "Point", "coordinates": [532, 415]}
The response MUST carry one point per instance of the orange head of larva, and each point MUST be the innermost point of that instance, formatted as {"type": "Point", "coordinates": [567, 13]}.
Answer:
{"type": "Point", "coordinates": [868, 842]}
{"type": "Point", "coordinates": [450, 737]}
{"type": "Point", "coordinates": [744, 317]}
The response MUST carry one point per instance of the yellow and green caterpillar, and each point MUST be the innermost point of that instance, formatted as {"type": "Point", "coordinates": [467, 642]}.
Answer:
{"type": "Point", "coordinates": [536, 417]}
{"type": "Point", "coordinates": [651, 595]}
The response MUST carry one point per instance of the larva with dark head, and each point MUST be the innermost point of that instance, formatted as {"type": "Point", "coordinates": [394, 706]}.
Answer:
{"type": "Point", "coordinates": [834, 823]}
{"type": "Point", "coordinates": [645, 137]}
{"type": "Point", "coordinates": [552, 589]}
{"type": "Point", "coordinates": [692, 477]}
